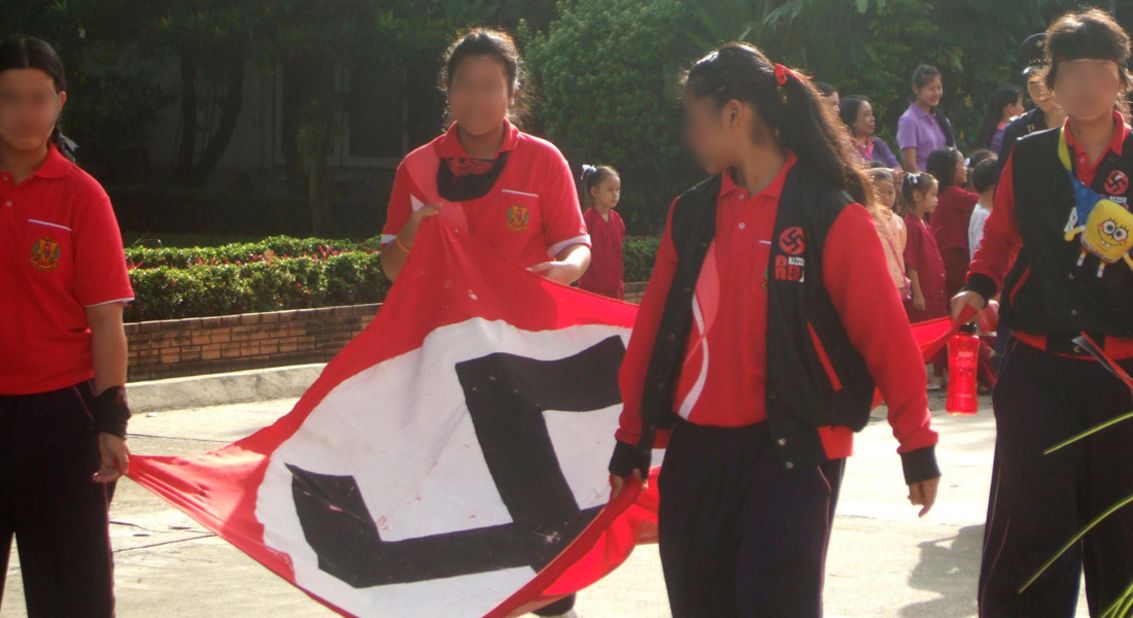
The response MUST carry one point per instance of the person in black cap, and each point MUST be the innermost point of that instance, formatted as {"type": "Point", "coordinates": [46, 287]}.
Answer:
{"type": "Point", "coordinates": [1046, 113]}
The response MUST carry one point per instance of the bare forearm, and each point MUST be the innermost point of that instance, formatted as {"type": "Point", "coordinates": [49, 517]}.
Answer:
{"type": "Point", "coordinates": [577, 257]}
{"type": "Point", "coordinates": [108, 346]}
{"type": "Point", "coordinates": [909, 160]}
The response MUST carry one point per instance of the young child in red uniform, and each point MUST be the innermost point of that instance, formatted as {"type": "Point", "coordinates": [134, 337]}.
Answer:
{"type": "Point", "coordinates": [1057, 246]}
{"type": "Point", "coordinates": [63, 409]}
{"type": "Point", "coordinates": [512, 191]}
{"type": "Point", "coordinates": [953, 211]}
{"type": "Point", "coordinates": [923, 262]}
{"type": "Point", "coordinates": [768, 320]}
{"type": "Point", "coordinates": [601, 189]}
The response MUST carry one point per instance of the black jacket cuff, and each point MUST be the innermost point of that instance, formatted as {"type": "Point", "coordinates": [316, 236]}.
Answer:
{"type": "Point", "coordinates": [982, 285]}
{"type": "Point", "coordinates": [627, 458]}
{"type": "Point", "coordinates": [920, 465]}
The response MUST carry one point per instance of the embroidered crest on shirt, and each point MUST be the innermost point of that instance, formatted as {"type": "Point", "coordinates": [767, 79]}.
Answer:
{"type": "Point", "coordinates": [45, 254]}
{"type": "Point", "coordinates": [516, 218]}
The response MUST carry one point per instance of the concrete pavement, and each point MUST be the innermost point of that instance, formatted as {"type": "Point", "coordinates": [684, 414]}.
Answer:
{"type": "Point", "coordinates": [883, 561]}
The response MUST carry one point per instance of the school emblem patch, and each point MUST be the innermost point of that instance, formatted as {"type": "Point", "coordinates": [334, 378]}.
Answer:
{"type": "Point", "coordinates": [516, 218]}
{"type": "Point", "coordinates": [45, 254]}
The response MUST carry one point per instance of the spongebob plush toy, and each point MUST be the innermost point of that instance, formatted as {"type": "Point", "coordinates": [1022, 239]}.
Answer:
{"type": "Point", "coordinates": [1105, 234]}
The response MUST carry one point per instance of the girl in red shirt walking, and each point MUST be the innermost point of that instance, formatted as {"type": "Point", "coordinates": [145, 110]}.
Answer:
{"type": "Point", "coordinates": [768, 320]}
{"type": "Point", "coordinates": [601, 190]}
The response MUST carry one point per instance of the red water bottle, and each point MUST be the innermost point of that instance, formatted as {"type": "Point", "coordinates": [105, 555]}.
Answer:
{"type": "Point", "coordinates": [963, 363]}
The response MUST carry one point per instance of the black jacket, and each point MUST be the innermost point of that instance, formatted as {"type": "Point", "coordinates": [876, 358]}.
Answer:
{"type": "Point", "coordinates": [801, 396]}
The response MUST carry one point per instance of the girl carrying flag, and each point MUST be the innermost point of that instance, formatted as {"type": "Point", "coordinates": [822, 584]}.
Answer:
{"type": "Point", "coordinates": [512, 191]}
{"type": "Point", "coordinates": [1056, 246]}
{"type": "Point", "coordinates": [63, 409]}
{"type": "Point", "coordinates": [768, 321]}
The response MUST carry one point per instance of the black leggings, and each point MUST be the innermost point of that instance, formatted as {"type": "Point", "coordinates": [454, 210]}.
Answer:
{"type": "Point", "coordinates": [58, 515]}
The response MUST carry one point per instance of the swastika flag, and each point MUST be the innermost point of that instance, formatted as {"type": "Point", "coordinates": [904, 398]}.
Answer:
{"type": "Point", "coordinates": [450, 461]}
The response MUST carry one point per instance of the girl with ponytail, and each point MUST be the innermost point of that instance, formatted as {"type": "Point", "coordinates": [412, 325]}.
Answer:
{"type": "Point", "coordinates": [768, 321]}
{"type": "Point", "coordinates": [601, 191]}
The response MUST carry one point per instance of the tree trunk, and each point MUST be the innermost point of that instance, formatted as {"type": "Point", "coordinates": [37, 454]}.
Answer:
{"type": "Point", "coordinates": [187, 142]}
{"type": "Point", "coordinates": [229, 113]}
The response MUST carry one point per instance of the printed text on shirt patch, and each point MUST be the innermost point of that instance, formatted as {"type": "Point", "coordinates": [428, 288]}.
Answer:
{"type": "Point", "coordinates": [45, 254]}
{"type": "Point", "coordinates": [789, 268]}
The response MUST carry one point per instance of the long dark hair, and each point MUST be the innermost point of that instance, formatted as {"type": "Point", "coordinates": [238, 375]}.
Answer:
{"type": "Point", "coordinates": [794, 112]}
{"type": "Point", "coordinates": [496, 44]}
{"type": "Point", "coordinates": [32, 53]}
{"type": "Point", "coordinates": [1001, 98]}
{"type": "Point", "coordinates": [942, 165]}
{"type": "Point", "coordinates": [849, 109]}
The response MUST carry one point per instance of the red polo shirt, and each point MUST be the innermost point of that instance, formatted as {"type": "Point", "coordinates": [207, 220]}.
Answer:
{"type": "Point", "coordinates": [607, 268]}
{"type": "Point", "coordinates": [60, 252]}
{"type": "Point", "coordinates": [531, 212]}
{"type": "Point", "coordinates": [723, 378]}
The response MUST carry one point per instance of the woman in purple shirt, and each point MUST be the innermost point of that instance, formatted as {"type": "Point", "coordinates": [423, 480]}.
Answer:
{"type": "Point", "coordinates": [923, 130]}
{"type": "Point", "coordinates": [857, 114]}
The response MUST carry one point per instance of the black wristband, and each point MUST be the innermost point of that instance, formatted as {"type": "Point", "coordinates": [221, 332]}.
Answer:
{"type": "Point", "coordinates": [627, 458]}
{"type": "Point", "coordinates": [920, 465]}
{"type": "Point", "coordinates": [112, 411]}
{"type": "Point", "coordinates": [981, 284]}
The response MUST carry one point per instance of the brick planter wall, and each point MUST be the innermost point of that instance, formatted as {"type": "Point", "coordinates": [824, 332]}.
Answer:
{"type": "Point", "coordinates": [193, 346]}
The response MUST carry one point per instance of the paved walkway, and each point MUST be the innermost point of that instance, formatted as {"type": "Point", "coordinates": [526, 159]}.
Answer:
{"type": "Point", "coordinates": [883, 561]}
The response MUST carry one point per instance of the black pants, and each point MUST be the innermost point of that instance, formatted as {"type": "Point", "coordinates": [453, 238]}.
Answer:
{"type": "Point", "coordinates": [1038, 502]}
{"type": "Point", "coordinates": [739, 534]}
{"type": "Point", "coordinates": [58, 515]}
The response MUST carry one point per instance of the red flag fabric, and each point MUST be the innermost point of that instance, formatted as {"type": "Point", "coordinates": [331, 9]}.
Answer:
{"type": "Point", "coordinates": [444, 460]}
{"type": "Point", "coordinates": [451, 460]}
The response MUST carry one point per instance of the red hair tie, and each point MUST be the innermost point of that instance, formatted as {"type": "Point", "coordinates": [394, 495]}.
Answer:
{"type": "Point", "coordinates": [782, 73]}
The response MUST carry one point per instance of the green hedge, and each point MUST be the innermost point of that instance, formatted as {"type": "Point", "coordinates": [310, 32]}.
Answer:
{"type": "Point", "coordinates": [639, 254]}
{"type": "Point", "coordinates": [239, 253]}
{"type": "Point", "coordinates": [164, 292]}
{"type": "Point", "coordinates": [303, 273]}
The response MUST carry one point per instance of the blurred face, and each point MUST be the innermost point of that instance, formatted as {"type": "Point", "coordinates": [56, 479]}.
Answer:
{"type": "Point", "coordinates": [835, 101]}
{"type": "Point", "coordinates": [929, 95]}
{"type": "Point", "coordinates": [1040, 94]}
{"type": "Point", "coordinates": [865, 124]}
{"type": "Point", "coordinates": [608, 192]}
{"type": "Point", "coordinates": [29, 108]}
{"type": "Point", "coordinates": [960, 173]}
{"type": "Point", "coordinates": [714, 133]}
{"type": "Point", "coordinates": [1087, 89]}
{"type": "Point", "coordinates": [886, 194]}
{"type": "Point", "coordinates": [1014, 109]}
{"type": "Point", "coordinates": [480, 94]}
